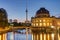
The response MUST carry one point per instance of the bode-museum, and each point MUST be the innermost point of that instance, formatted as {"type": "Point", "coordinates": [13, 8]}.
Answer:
{"type": "Point", "coordinates": [46, 27]}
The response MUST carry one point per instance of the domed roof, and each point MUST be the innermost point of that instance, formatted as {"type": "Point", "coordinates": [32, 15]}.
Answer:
{"type": "Point", "coordinates": [2, 10]}
{"type": "Point", "coordinates": [42, 11]}
{"type": "Point", "coordinates": [3, 18]}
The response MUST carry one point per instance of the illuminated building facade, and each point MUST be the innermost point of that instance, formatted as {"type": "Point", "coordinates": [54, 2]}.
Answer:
{"type": "Point", "coordinates": [44, 25]}
{"type": "Point", "coordinates": [3, 18]}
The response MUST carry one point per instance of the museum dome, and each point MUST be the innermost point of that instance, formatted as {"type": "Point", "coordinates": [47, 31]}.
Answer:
{"type": "Point", "coordinates": [42, 12]}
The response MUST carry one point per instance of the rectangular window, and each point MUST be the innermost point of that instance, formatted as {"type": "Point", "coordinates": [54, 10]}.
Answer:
{"type": "Point", "coordinates": [33, 24]}
{"type": "Point", "coordinates": [44, 24]}
{"type": "Point", "coordinates": [44, 20]}
{"type": "Point", "coordinates": [40, 24]}
{"type": "Point", "coordinates": [36, 24]}
{"type": "Point", "coordinates": [40, 21]}
{"type": "Point", "coordinates": [50, 24]}
{"type": "Point", "coordinates": [47, 24]}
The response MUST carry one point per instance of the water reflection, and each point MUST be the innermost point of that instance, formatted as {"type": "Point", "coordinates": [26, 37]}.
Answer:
{"type": "Point", "coordinates": [43, 36]}
{"type": "Point", "coordinates": [52, 36]}
{"type": "Point", "coordinates": [18, 36]}
{"type": "Point", "coordinates": [35, 36]}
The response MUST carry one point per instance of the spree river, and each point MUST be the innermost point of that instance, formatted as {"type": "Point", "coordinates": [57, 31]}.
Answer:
{"type": "Point", "coordinates": [18, 36]}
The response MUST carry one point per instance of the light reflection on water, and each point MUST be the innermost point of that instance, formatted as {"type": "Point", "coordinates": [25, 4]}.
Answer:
{"type": "Point", "coordinates": [18, 36]}
{"type": "Point", "coordinates": [23, 37]}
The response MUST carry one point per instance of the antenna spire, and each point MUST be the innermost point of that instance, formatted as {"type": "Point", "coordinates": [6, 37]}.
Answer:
{"type": "Point", "coordinates": [26, 12]}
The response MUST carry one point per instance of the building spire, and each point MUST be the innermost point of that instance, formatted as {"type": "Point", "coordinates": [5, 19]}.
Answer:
{"type": "Point", "coordinates": [26, 12]}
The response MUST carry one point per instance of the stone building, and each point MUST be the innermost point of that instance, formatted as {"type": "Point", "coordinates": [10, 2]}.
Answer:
{"type": "Point", "coordinates": [44, 26]}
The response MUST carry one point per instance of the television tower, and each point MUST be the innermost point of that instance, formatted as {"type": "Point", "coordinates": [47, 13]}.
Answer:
{"type": "Point", "coordinates": [26, 13]}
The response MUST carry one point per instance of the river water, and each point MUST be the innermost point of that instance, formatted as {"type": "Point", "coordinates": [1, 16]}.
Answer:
{"type": "Point", "coordinates": [18, 36]}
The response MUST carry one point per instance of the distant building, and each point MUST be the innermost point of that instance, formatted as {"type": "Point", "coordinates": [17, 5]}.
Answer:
{"type": "Point", "coordinates": [10, 21]}
{"type": "Point", "coordinates": [3, 18]}
{"type": "Point", "coordinates": [27, 21]}
{"type": "Point", "coordinates": [15, 20]}
{"type": "Point", "coordinates": [43, 23]}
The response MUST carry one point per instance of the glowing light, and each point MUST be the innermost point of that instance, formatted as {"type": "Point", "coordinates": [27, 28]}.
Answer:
{"type": "Point", "coordinates": [33, 24]}
{"type": "Point", "coordinates": [52, 26]}
{"type": "Point", "coordinates": [0, 37]}
{"type": "Point", "coordinates": [32, 37]}
{"type": "Point", "coordinates": [36, 24]}
{"type": "Point", "coordinates": [44, 36]}
{"type": "Point", "coordinates": [40, 20]}
{"type": "Point", "coordinates": [58, 37]}
{"type": "Point", "coordinates": [48, 36]}
{"type": "Point", "coordinates": [40, 24]}
{"type": "Point", "coordinates": [52, 35]}
{"type": "Point", "coordinates": [58, 23]}
{"type": "Point", "coordinates": [4, 36]}
{"type": "Point", "coordinates": [44, 24]}
{"type": "Point", "coordinates": [40, 36]}
{"type": "Point", "coordinates": [43, 20]}
{"type": "Point", "coordinates": [47, 24]}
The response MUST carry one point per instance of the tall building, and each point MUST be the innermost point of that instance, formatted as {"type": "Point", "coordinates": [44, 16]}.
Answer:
{"type": "Point", "coordinates": [10, 20]}
{"type": "Point", "coordinates": [44, 26]}
{"type": "Point", "coordinates": [3, 18]}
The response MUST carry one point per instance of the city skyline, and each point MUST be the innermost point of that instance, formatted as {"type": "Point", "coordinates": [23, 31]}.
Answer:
{"type": "Point", "coordinates": [16, 8]}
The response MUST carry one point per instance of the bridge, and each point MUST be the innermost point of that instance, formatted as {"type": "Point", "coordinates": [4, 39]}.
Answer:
{"type": "Point", "coordinates": [10, 29]}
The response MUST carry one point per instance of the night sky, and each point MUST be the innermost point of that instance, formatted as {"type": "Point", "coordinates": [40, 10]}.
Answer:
{"type": "Point", "coordinates": [16, 8]}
